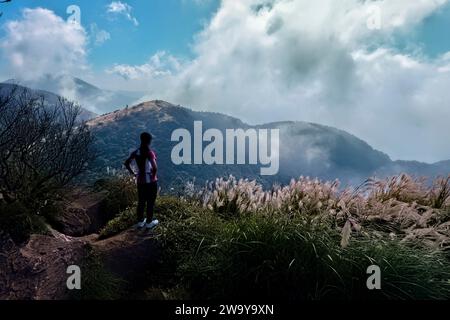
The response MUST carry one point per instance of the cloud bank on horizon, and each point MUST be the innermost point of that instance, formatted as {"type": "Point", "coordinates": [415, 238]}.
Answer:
{"type": "Point", "coordinates": [263, 61]}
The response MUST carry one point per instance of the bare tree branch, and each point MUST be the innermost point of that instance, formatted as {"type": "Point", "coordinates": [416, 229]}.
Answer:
{"type": "Point", "coordinates": [42, 147]}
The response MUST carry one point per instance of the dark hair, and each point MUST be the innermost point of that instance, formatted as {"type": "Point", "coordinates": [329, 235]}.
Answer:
{"type": "Point", "coordinates": [146, 139]}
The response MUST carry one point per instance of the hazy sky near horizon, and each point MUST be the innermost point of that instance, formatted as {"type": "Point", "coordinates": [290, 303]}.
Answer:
{"type": "Point", "coordinates": [378, 69]}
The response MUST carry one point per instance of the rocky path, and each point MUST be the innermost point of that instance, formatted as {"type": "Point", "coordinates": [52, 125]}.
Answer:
{"type": "Point", "coordinates": [37, 269]}
{"type": "Point", "coordinates": [129, 253]}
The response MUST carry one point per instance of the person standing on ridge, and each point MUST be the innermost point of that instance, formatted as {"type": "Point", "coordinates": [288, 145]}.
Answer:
{"type": "Point", "coordinates": [147, 180]}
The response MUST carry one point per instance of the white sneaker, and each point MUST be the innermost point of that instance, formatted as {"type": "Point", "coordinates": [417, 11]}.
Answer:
{"type": "Point", "coordinates": [142, 224]}
{"type": "Point", "coordinates": [152, 224]}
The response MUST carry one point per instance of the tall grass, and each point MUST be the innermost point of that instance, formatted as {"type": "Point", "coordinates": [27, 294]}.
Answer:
{"type": "Point", "coordinates": [402, 206]}
{"type": "Point", "coordinates": [307, 240]}
{"type": "Point", "coordinates": [279, 257]}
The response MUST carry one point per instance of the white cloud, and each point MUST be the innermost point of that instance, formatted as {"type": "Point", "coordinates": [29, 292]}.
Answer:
{"type": "Point", "coordinates": [400, 105]}
{"type": "Point", "coordinates": [312, 61]}
{"type": "Point", "coordinates": [281, 60]}
{"type": "Point", "coordinates": [159, 65]}
{"type": "Point", "coordinates": [43, 43]}
{"type": "Point", "coordinates": [99, 36]}
{"type": "Point", "coordinates": [122, 8]}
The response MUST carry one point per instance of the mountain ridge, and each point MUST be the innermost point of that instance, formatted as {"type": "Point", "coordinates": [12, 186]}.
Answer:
{"type": "Point", "coordinates": [90, 96]}
{"type": "Point", "coordinates": [50, 97]}
{"type": "Point", "coordinates": [307, 149]}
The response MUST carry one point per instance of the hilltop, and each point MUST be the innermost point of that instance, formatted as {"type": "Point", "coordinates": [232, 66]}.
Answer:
{"type": "Point", "coordinates": [306, 149]}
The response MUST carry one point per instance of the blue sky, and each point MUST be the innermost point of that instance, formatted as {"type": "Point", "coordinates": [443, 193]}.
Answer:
{"type": "Point", "coordinates": [171, 25]}
{"type": "Point", "coordinates": [164, 25]}
{"type": "Point", "coordinates": [433, 34]}
{"type": "Point", "coordinates": [316, 61]}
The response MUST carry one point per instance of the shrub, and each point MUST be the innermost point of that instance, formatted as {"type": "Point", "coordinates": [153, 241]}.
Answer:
{"type": "Point", "coordinates": [97, 282]}
{"type": "Point", "coordinates": [19, 221]}
{"type": "Point", "coordinates": [43, 147]}
{"type": "Point", "coordinates": [120, 223]}
{"type": "Point", "coordinates": [121, 194]}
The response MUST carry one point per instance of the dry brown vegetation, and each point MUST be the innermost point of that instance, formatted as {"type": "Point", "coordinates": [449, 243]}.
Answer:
{"type": "Point", "coordinates": [399, 207]}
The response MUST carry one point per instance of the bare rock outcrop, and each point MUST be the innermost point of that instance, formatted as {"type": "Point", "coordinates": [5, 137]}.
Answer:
{"type": "Point", "coordinates": [82, 216]}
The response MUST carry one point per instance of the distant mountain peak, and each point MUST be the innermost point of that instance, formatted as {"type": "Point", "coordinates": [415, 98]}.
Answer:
{"type": "Point", "coordinates": [307, 149]}
{"type": "Point", "coordinates": [86, 94]}
{"type": "Point", "coordinates": [50, 98]}
{"type": "Point", "coordinates": [158, 107]}
{"type": "Point", "coordinates": [153, 104]}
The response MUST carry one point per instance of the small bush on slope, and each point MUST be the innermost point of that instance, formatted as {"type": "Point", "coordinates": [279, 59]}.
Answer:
{"type": "Point", "coordinates": [19, 221]}
{"type": "Point", "coordinates": [120, 223]}
{"type": "Point", "coordinates": [96, 282]}
{"type": "Point", "coordinates": [120, 195]}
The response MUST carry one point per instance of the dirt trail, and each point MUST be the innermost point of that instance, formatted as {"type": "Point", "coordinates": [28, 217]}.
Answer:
{"type": "Point", "coordinates": [37, 270]}
{"type": "Point", "coordinates": [129, 253]}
